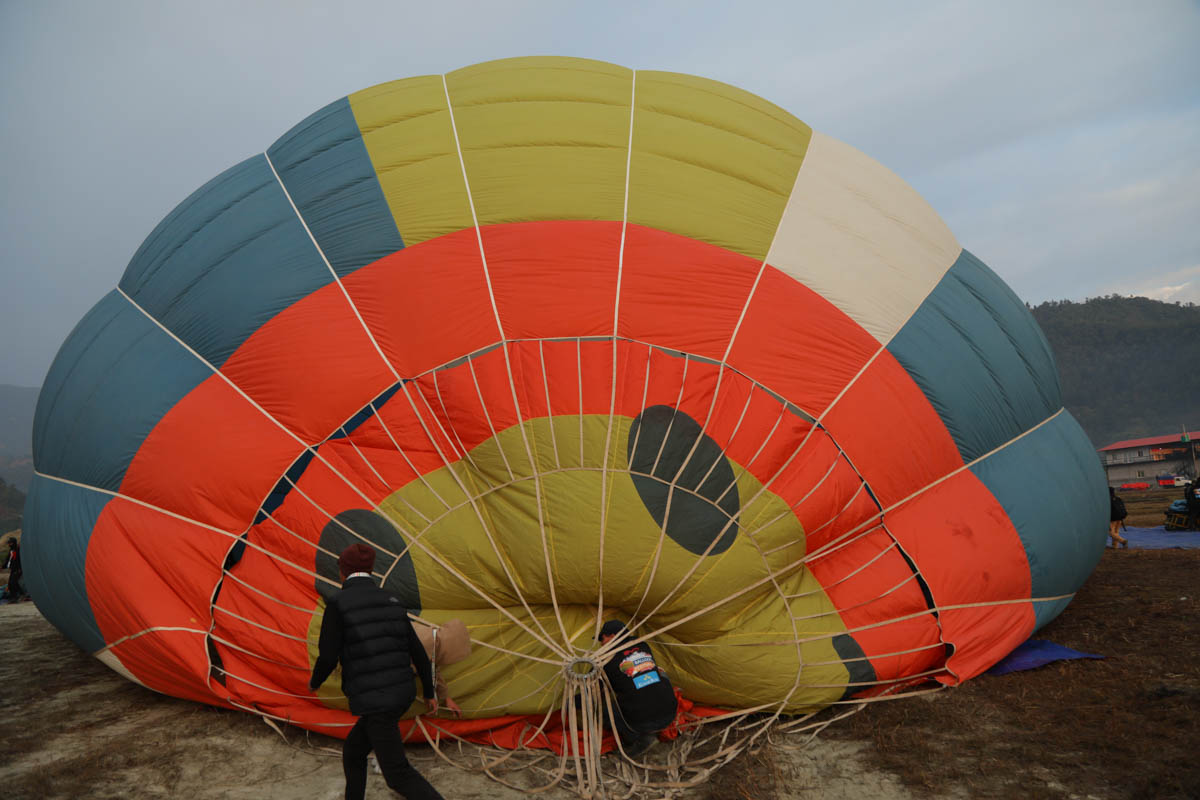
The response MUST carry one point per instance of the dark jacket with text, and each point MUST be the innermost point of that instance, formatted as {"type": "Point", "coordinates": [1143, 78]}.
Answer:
{"type": "Point", "coordinates": [644, 694]}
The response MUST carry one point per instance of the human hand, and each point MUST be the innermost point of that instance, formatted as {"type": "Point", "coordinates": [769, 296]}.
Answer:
{"type": "Point", "coordinates": [453, 707]}
{"type": "Point", "coordinates": [431, 705]}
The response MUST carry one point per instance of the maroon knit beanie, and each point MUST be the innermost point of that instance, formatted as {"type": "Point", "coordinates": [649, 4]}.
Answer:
{"type": "Point", "coordinates": [358, 557]}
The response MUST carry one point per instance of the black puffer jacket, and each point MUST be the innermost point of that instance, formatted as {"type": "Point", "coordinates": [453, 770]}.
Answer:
{"type": "Point", "coordinates": [367, 629]}
{"type": "Point", "coordinates": [1116, 507]}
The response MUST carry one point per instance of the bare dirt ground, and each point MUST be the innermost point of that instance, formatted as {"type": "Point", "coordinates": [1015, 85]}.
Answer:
{"type": "Point", "coordinates": [1123, 727]}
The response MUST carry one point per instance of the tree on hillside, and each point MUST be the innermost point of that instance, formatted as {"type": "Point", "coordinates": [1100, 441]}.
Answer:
{"type": "Point", "coordinates": [12, 506]}
{"type": "Point", "coordinates": [1129, 366]}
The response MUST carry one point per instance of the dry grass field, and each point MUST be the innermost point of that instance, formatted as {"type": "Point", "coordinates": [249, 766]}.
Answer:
{"type": "Point", "coordinates": [1147, 508]}
{"type": "Point", "coordinates": [1123, 727]}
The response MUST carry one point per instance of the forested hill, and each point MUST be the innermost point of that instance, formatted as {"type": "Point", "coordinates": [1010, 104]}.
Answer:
{"type": "Point", "coordinates": [12, 504]}
{"type": "Point", "coordinates": [1129, 366]}
{"type": "Point", "coordinates": [16, 434]}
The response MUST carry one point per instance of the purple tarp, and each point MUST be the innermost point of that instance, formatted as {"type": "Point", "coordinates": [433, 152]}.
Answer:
{"type": "Point", "coordinates": [1160, 538]}
{"type": "Point", "coordinates": [1036, 653]}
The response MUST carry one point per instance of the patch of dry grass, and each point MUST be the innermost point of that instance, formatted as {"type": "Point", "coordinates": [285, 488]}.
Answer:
{"type": "Point", "coordinates": [1124, 727]}
{"type": "Point", "coordinates": [752, 775]}
{"type": "Point", "coordinates": [1148, 509]}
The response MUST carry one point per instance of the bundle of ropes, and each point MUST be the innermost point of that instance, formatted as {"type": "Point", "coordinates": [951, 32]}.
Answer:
{"type": "Point", "coordinates": [579, 703]}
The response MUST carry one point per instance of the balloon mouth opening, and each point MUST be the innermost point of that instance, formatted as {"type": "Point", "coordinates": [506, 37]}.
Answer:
{"type": "Point", "coordinates": [582, 669]}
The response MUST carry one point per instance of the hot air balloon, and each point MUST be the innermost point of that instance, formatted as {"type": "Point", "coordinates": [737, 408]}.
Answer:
{"type": "Point", "coordinates": [563, 341]}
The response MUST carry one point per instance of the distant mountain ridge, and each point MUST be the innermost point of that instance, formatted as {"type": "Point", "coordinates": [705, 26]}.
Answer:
{"type": "Point", "coordinates": [17, 404]}
{"type": "Point", "coordinates": [12, 506]}
{"type": "Point", "coordinates": [1129, 366]}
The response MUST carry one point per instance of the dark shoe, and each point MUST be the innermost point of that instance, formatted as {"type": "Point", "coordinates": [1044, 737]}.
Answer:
{"type": "Point", "coordinates": [641, 744]}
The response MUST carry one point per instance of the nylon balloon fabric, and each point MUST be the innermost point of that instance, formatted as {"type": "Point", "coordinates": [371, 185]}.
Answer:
{"type": "Point", "coordinates": [562, 341]}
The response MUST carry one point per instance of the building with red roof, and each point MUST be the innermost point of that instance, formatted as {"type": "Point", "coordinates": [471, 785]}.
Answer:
{"type": "Point", "coordinates": [1144, 460]}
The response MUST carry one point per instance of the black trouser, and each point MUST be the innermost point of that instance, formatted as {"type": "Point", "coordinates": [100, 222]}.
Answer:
{"type": "Point", "coordinates": [378, 732]}
{"type": "Point", "coordinates": [624, 731]}
{"type": "Point", "coordinates": [641, 734]}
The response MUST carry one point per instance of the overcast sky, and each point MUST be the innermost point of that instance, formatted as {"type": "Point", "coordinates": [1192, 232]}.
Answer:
{"type": "Point", "coordinates": [1059, 140]}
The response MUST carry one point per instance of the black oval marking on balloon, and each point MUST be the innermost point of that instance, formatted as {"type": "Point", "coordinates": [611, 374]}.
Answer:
{"type": "Point", "coordinates": [660, 441]}
{"type": "Point", "coordinates": [377, 531]}
{"type": "Point", "coordinates": [216, 667]}
{"type": "Point", "coordinates": [858, 666]}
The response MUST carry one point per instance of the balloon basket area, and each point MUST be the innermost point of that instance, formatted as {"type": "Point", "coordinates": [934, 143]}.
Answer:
{"type": "Point", "coordinates": [572, 748]}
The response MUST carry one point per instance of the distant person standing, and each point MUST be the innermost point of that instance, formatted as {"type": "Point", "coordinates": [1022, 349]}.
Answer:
{"type": "Point", "coordinates": [13, 563]}
{"type": "Point", "coordinates": [1116, 515]}
{"type": "Point", "coordinates": [367, 629]}
{"type": "Point", "coordinates": [1191, 494]}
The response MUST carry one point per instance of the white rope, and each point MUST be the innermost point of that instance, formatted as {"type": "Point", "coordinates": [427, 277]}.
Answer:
{"type": "Point", "coordinates": [387, 430]}
{"type": "Point", "coordinates": [507, 364]}
{"type": "Point", "coordinates": [616, 327]}
{"type": "Point", "coordinates": [549, 407]}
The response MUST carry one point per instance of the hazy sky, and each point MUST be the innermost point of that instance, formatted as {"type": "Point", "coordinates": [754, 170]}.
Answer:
{"type": "Point", "coordinates": [1060, 140]}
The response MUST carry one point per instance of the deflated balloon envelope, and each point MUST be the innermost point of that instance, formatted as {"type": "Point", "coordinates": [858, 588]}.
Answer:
{"type": "Point", "coordinates": [553, 334]}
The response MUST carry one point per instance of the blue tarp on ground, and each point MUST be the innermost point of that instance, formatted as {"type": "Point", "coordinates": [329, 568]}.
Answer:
{"type": "Point", "coordinates": [1160, 538]}
{"type": "Point", "coordinates": [1036, 653]}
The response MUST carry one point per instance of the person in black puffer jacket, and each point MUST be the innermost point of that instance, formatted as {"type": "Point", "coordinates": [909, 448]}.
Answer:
{"type": "Point", "coordinates": [367, 629]}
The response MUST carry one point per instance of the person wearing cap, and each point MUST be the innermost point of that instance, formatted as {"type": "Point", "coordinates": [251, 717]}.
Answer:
{"type": "Point", "coordinates": [645, 699]}
{"type": "Point", "coordinates": [366, 628]}
{"type": "Point", "coordinates": [445, 644]}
